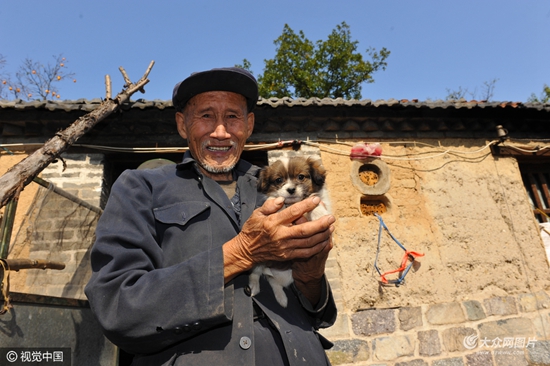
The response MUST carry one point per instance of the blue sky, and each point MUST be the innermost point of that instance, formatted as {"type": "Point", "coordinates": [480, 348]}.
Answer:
{"type": "Point", "coordinates": [435, 45]}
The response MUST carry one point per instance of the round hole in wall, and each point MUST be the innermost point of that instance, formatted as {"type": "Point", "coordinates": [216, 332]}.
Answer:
{"type": "Point", "coordinates": [371, 177]}
{"type": "Point", "coordinates": [369, 174]}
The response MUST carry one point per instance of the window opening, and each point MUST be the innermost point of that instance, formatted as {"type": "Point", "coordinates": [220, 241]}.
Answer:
{"type": "Point", "coordinates": [536, 179]}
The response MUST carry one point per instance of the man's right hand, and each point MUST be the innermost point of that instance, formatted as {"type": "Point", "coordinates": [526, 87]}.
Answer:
{"type": "Point", "coordinates": [273, 235]}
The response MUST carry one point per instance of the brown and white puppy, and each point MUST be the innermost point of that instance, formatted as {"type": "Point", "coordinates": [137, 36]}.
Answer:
{"type": "Point", "coordinates": [294, 179]}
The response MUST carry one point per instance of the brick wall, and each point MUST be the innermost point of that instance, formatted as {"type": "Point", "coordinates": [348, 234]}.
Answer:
{"type": "Point", "coordinates": [60, 229]}
{"type": "Point", "coordinates": [83, 176]}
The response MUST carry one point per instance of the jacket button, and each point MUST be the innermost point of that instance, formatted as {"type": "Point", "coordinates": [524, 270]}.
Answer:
{"type": "Point", "coordinates": [196, 326]}
{"type": "Point", "coordinates": [245, 343]}
{"type": "Point", "coordinates": [186, 328]}
{"type": "Point", "coordinates": [178, 330]}
{"type": "Point", "coordinates": [247, 291]}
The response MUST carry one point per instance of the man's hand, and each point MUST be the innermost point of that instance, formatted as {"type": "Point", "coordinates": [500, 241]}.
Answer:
{"type": "Point", "coordinates": [308, 274]}
{"type": "Point", "coordinates": [273, 235]}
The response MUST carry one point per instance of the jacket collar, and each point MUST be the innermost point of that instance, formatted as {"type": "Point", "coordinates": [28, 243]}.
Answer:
{"type": "Point", "coordinates": [242, 168]}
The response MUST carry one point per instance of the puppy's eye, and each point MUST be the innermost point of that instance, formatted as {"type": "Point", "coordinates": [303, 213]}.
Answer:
{"type": "Point", "coordinates": [301, 177]}
{"type": "Point", "coordinates": [279, 180]}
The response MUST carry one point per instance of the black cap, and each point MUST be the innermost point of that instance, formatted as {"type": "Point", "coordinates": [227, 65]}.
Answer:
{"type": "Point", "coordinates": [231, 79]}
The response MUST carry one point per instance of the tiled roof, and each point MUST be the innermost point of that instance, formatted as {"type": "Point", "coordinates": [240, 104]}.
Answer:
{"type": "Point", "coordinates": [151, 122]}
{"type": "Point", "coordinates": [90, 104]}
{"type": "Point", "coordinates": [456, 104]}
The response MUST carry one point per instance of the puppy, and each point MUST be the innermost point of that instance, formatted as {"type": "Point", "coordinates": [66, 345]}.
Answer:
{"type": "Point", "coordinates": [294, 179]}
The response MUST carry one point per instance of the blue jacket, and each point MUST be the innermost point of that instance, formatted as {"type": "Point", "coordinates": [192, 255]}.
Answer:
{"type": "Point", "coordinates": [157, 285]}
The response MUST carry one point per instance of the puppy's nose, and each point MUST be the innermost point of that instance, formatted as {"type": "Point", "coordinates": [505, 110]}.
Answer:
{"type": "Point", "coordinates": [291, 190]}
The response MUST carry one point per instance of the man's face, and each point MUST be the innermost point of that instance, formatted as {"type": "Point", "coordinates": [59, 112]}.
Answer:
{"type": "Point", "coordinates": [216, 126]}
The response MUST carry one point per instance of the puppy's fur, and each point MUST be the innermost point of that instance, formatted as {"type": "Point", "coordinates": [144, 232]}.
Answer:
{"type": "Point", "coordinates": [294, 179]}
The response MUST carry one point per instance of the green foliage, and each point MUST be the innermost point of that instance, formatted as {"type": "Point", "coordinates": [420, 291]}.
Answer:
{"type": "Point", "coordinates": [324, 69]}
{"type": "Point", "coordinates": [543, 98]}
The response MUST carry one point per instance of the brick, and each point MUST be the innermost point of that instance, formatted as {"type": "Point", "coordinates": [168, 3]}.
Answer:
{"type": "Point", "coordinates": [510, 357]}
{"type": "Point", "coordinates": [50, 175]}
{"type": "Point", "coordinates": [41, 225]}
{"type": "Point", "coordinates": [80, 185]}
{"type": "Point", "coordinates": [455, 361]}
{"type": "Point", "coordinates": [55, 235]}
{"type": "Point", "coordinates": [542, 324]}
{"type": "Point", "coordinates": [449, 313]}
{"type": "Point", "coordinates": [474, 310]}
{"type": "Point", "coordinates": [96, 159]}
{"type": "Point", "coordinates": [391, 348]}
{"type": "Point", "coordinates": [533, 302]}
{"type": "Point", "coordinates": [348, 351]}
{"type": "Point", "coordinates": [505, 305]}
{"type": "Point", "coordinates": [410, 318]}
{"type": "Point", "coordinates": [70, 175]}
{"type": "Point", "coordinates": [370, 322]}
{"type": "Point", "coordinates": [429, 343]}
{"type": "Point", "coordinates": [455, 339]}
{"type": "Point", "coordinates": [514, 327]}
{"type": "Point", "coordinates": [332, 272]}
{"type": "Point", "coordinates": [482, 358]}
{"type": "Point", "coordinates": [75, 157]}
{"type": "Point", "coordinates": [339, 329]}
{"type": "Point", "coordinates": [417, 362]}
{"type": "Point", "coordinates": [539, 354]}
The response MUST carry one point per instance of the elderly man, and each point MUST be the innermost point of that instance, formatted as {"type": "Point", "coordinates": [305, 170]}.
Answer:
{"type": "Point", "coordinates": [175, 246]}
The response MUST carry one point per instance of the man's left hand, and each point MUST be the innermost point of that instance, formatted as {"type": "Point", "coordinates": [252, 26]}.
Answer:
{"type": "Point", "coordinates": [308, 273]}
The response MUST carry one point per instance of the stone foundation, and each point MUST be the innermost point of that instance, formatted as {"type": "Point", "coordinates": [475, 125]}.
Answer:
{"type": "Point", "coordinates": [508, 330]}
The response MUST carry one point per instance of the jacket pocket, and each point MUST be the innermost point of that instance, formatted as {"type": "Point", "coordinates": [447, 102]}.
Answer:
{"type": "Point", "coordinates": [180, 213]}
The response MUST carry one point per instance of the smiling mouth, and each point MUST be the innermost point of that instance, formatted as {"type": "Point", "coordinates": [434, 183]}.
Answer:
{"type": "Point", "coordinates": [218, 148]}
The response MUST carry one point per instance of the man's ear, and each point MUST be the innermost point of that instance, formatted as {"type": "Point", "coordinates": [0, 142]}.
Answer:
{"type": "Point", "coordinates": [180, 122]}
{"type": "Point", "coordinates": [250, 118]}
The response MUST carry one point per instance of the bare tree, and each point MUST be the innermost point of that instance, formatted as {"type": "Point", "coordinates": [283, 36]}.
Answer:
{"type": "Point", "coordinates": [3, 77]}
{"type": "Point", "coordinates": [35, 80]}
{"type": "Point", "coordinates": [488, 89]}
{"type": "Point", "coordinates": [21, 174]}
{"type": "Point", "coordinates": [456, 94]}
{"type": "Point", "coordinates": [486, 94]}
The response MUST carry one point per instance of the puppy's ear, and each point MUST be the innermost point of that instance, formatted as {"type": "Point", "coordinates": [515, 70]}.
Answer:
{"type": "Point", "coordinates": [317, 171]}
{"type": "Point", "coordinates": [263, 180]}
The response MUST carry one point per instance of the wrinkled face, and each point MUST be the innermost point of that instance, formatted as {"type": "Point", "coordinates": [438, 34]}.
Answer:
{"type": "Point", "coordinates": [216, 126]}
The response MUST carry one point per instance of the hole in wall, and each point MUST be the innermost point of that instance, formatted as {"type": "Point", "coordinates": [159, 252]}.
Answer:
{"type": "Point", "coordinates": [369, 174]}
{"type": "Point", "coordinates": [371, 178]}
{"type": "Point", "coordinates": [370, 205]}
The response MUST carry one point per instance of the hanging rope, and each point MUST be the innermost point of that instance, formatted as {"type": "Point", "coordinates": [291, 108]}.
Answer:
{"type": "Point", "coordinates": [408, 256]}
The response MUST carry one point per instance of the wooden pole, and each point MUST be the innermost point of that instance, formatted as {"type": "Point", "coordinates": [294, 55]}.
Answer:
{"type": "Point", "coordinates": [23, 173]}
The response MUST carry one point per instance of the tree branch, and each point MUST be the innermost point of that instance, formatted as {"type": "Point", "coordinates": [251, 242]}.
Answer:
{"type": "Point", "coordinates": [24, 172]}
